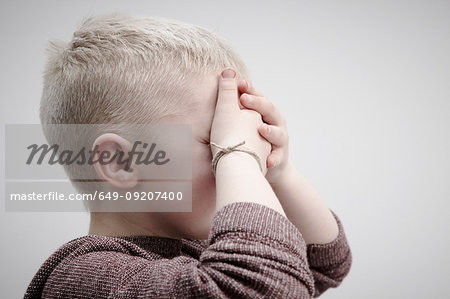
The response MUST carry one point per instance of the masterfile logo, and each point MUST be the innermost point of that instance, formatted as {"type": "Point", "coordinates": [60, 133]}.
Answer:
{"type": "Point", "coordinates": [53, 167]}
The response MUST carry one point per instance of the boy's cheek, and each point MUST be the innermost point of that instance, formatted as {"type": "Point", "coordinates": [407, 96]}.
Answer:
{"type": "Point", "coordinates": [201, 155]}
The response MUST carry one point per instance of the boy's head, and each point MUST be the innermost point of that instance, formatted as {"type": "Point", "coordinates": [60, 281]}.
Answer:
{"type": "Point", "coordinates": [121, 69]}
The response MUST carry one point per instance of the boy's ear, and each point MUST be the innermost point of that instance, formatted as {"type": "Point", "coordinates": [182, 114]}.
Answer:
{"type": "Point", "coordinates": [112, 161]}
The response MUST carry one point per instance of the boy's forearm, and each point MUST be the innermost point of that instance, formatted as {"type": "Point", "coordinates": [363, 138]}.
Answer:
{"type": "Point", "coordinates": [304, 207]}
{"type": "Point", "coordinates": [239, 179]}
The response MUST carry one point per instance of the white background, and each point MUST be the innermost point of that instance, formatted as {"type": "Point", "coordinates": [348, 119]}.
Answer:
{"type": "Point", "coordinates": [365, 88]}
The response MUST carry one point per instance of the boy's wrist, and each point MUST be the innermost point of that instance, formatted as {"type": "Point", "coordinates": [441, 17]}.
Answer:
{"type": "Point", "coordinates": [219, 151]}
{"type": "Point", "coordinates": [238, 161]}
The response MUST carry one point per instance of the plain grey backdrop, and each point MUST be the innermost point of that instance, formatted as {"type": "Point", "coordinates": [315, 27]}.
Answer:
{"type": "Point", "coordinates": [365, 88]}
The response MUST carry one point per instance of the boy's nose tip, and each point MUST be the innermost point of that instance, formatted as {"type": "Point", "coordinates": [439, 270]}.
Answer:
{"type": "Point", "coordinates": [228, 73]}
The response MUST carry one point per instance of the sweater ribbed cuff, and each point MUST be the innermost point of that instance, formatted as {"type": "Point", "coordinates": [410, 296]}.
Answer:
{"type": "Point", "coordinates": [330, 254]}
{"type": "Point", "coordinates": [255, 218]}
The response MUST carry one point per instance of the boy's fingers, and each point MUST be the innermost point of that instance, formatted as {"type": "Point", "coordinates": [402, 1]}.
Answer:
{"type": "Point", "coordinates": [275, 135]}
{"type": "Point", "coordinates": [266, 108]}
{"type": "Point", "coordinates": [227, 98]}
{"type": "Point", "coordinates": [246, 86]}
{"type": "Point", "coordinates": [275, 158]}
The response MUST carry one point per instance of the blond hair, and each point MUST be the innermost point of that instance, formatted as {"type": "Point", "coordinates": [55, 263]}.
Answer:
{"type": "Point", "coordinates": [120, 68]}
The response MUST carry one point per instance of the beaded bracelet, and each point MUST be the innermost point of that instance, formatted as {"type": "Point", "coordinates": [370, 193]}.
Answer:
{"type": "Point", "coordinates": [229, 149]}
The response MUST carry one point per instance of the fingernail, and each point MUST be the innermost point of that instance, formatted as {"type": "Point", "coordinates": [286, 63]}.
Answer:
{"type": "Point", "coordinates": [248, 84]}
{"type": "Point", "coordinates": [228, 73]}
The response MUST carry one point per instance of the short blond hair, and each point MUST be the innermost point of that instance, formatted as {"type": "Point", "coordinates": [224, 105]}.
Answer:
{"type": "Point", "coordinates": [120, 68]}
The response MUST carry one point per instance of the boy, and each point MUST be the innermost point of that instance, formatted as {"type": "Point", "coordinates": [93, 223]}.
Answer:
{"type": "Point", "coordinates": [255, 230]}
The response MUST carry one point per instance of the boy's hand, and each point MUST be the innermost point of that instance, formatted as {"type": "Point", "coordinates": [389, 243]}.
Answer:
{"type": "Point", "coordinates": [273, 130]}
{"type": "Point", "coordinates": [300, 201]}
{"type": "Point", "coordinates": [231, 125]}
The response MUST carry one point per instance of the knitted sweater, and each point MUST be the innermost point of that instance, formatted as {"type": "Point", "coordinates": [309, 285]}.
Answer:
{"type": "Point", "coordinates": [252, 251]}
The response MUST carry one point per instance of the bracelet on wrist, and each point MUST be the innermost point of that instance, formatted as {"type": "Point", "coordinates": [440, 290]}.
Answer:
{"type": "Point", "coordinates": [229, 149]}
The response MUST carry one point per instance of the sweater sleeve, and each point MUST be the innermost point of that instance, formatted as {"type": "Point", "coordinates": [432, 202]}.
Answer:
{"type": "Point", "coordinates": [253, 252]}
{"type": "Point", "coordinates": [331, 262]}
